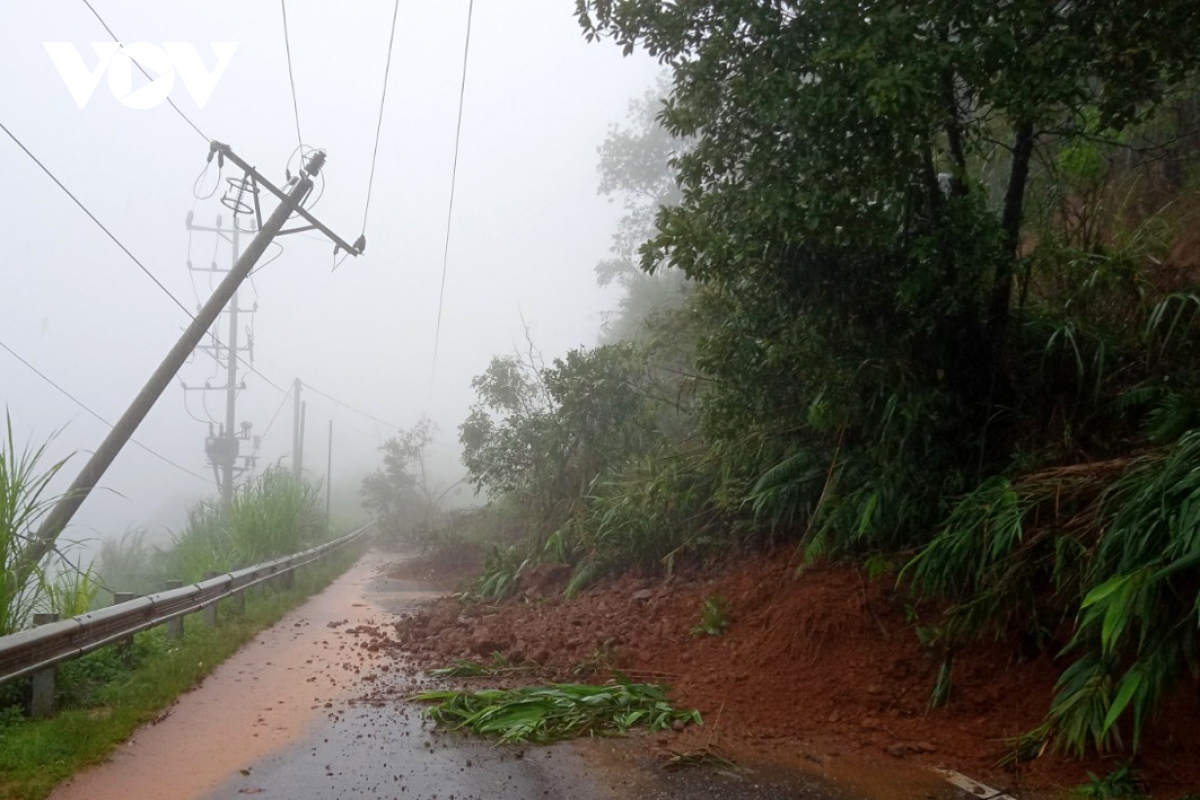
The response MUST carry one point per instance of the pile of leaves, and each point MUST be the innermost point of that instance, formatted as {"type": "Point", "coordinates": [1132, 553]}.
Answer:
{"type": "Point", "coordinates": [543, 714]}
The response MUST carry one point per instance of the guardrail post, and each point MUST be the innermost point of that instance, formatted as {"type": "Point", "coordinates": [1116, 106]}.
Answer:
{"type": "Point", "coordinates": [175, 624]}
{"type": "Point", "coordinates": [125, 645]}
{"type": "Point", "coordinates": [237, 601]}
{"type": "Point", "coordinates": [42, 702]}
{"type": "Point", "coordinates": [210, 610]}
{"type": "Point", "coordinates": [287, 579]}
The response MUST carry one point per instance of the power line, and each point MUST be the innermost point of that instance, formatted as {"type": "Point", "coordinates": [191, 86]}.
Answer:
{"type": "Point", "coordinates": [462, 90]}
{"type": "Point", "coordinates": [194, 127]}
{"type": "Point", "coordinates": [85, 209]}
{"type": "Point", "coordinates": [254, 369]}
{"type": "Point", "coordinates": [346, 405]}
{"type": "Point", "coordinates": [379, 124]}
{"type": "Point", "coordinates": [291, 79]}
{"type": "Point", "coordinates": [143, 71]}
{"type": "Point", "coordinates": [80, 403]}
{"type": "Point", "coordinates": [296, 112]}
{"type": "Point", "coordinates": [275, 415]}
{"type": "Point", "coordinates": [125, 249]}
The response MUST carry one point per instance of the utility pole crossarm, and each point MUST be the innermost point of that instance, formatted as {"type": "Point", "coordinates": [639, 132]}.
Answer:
{"type": "Point", "coordinates": [225, 151]}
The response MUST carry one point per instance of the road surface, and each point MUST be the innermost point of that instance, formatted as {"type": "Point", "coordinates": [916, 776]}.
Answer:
{"type": "Point", "coordinates": [307, 712]}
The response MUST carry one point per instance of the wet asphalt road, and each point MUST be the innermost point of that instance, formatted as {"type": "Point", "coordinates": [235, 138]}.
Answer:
{"type": "Point", "coordinates": [388, 752]}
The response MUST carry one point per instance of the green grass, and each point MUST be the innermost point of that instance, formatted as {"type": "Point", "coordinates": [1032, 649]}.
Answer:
{"type": "Point", "coordinates": [25, 498]}
{"type": "Point", "coordinates": [272, 515]}
{"type": "Point", "coordinates": [106, 695]}
{"type": "Point", "coordinates": [714, 617]}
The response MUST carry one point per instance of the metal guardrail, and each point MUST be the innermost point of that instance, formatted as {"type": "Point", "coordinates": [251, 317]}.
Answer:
{"type": "Point", "coordinates": [39, 649]}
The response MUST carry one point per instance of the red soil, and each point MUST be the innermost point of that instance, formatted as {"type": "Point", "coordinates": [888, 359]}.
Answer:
{"type": "Point", "coordinates": [818, 668]}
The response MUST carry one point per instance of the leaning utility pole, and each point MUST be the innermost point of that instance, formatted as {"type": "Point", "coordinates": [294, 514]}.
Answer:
{"type": "Point", "coordinates": [290, 203]}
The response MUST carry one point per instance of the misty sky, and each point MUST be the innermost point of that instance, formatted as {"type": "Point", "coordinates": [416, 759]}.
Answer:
{"type": "Point", "coordinates": [528, 226]}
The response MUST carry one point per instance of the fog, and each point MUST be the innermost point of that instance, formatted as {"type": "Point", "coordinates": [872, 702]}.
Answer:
{"type": "Point", "coordinates": [527, 227]}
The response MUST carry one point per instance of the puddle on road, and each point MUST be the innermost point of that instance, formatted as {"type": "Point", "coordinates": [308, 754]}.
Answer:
{"type": "Point", "coordinates": [269, 694]}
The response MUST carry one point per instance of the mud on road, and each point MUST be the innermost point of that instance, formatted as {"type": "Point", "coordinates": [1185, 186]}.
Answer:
{"type": "Point", "coordinates": [818, 670]}
{"type": "Point", "coordinates": [315, 709]}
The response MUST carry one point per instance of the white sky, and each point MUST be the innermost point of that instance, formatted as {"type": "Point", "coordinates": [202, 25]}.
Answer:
{"type": "Point", "coordinates": [528, 225]}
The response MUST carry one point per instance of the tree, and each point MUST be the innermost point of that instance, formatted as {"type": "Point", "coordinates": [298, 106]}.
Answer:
{"type": "Point", "coordinates": [841, 162]}
{"type": "Point", "coordinates": [635, 166]}
{"type": "Point", "coordinates": [398, 493]}
{"type": "Point", "coordinates": [542, 435]}
{"type": "Point", "coordinates": [855, 215]}
{"type": "Point", "coordinates": [824, 124]}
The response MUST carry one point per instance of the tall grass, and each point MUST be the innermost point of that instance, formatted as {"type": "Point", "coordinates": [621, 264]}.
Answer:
{"type": "Point", "coordinates": [72, 590]}
{"type": "Point", "coordinates": [1139, 628]}
{"type": "Point", "coordinates": [24, 499]}
{"type": "Point", "coordinates": [271, 515]}
{"type": "Point", "coordinates": [130, 563]}
{"type": "Point", "coordinates": [1111, 548]}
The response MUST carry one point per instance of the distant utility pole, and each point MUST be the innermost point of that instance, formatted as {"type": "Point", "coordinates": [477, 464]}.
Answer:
{"type": "Point", "coordinates": [223, 446]}
{"type": "Point", "coordinates": [297, 431]}
{"type": "Point", "coordinates": [329, 471]}
{"type": "Point", "coordinates": [290, 203]}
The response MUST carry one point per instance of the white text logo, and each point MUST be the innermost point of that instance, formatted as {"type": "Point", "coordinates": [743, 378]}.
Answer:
{"type": "Point", "coordinates": [161, 65]}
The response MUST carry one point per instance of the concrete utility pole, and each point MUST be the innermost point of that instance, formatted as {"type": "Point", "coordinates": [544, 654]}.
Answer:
{"type": "Point", "coordinates": [297, 430]}
{"type": "Point", "coordinates": [300, 441]}
{"type": "Point", "coordinates": [290, 203]}
{"type": "Point", "coordinates": [328, 471]}
{"type": "Point", "coordinates": [224, 448]}
{"type": "Point", "coordinates": [233, 446]}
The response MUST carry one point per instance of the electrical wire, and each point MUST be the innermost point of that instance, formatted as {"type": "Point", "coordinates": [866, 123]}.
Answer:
{"type": "Point", "coordinates": [101, 225]}
{"type": "Point", "coordinates": [200, 179]}
{"type": "Point", "coordinates": [92, 216]}
{"type": "Point", "coordinates": [124, 249]}
{"type": "Point", "coordinates": [462, 89]}
{"type": "Point", "coordinates": [275, 416]}
{"type": "Point", "coordinates": [204, 403]}
{"type": "Point", "coordinates": [254, 369]}
{"type": "Point", "coordinates": [379, 123]}
{"type": "Point", "coordinates": [149, 77]}
{"type": "Point", "coordinates": [141, 266]}
{"type": "Point", "coordinates": [291, 78]}
{"type": "Point", "coordinates": [80, 403]}
{"type": "Point", "coordinates": [346, 405]}
{"type": "Point", "coordinates": [192, 272]}
{"type": "Point", "coordinates": [259, 267]}
{"type": "Point", "coordinates": [188, 409]}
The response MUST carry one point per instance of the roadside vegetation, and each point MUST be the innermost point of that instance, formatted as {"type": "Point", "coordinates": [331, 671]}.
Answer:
{"type": "Point", "coordinates": [28, 586]}
{"type": "Point", "coordinates": [918, 285]}
{"type": "Point", "coordinates": [272, 515]}
{"type": "Point", "coordinates": [106, 695]}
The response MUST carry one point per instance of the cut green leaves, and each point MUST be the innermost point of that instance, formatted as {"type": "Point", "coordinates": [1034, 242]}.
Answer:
{"type": "Point", "coordinates": [542, 714]}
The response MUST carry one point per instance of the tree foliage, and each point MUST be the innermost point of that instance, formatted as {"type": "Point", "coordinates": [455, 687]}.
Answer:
{"type": "Point", "coordinates": [398, 492]}
{"type": "Point", "coordinates": [635, 167]}
{"type": "Point", "coordinates": [905, 226]}
{"type": "Point", "coordinates": [544, 433]}
{"type": "Point", "coordinates": [926, 312]}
